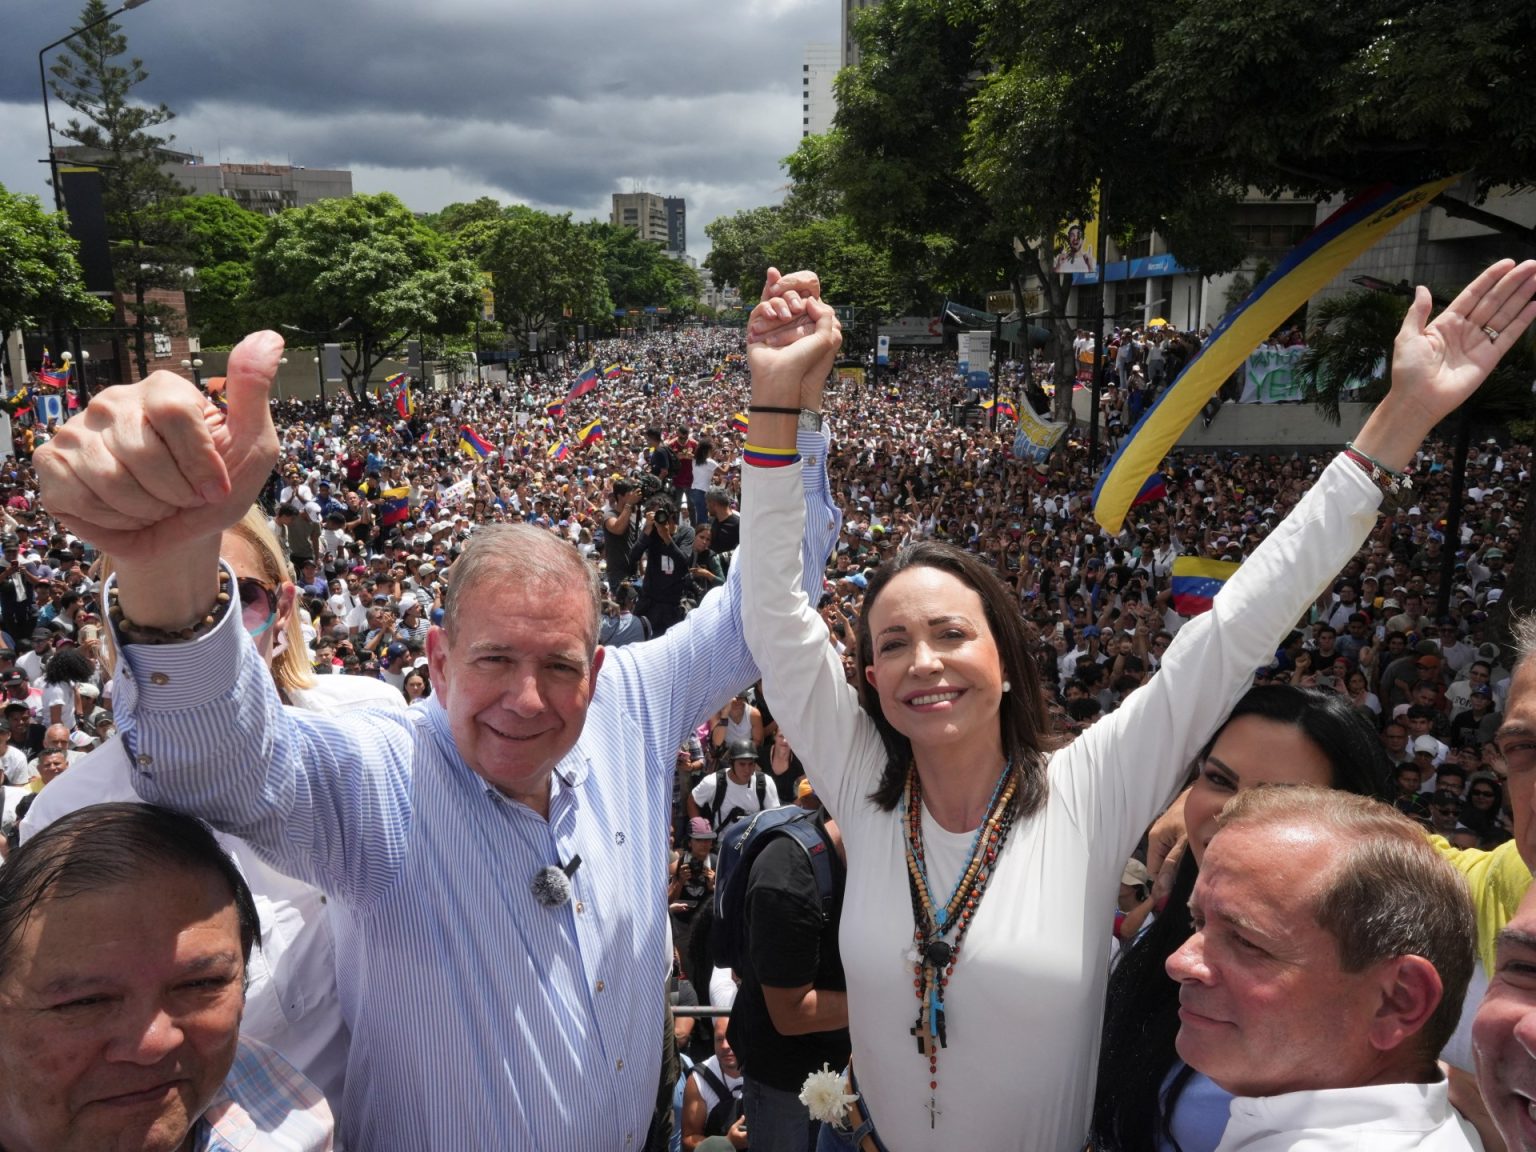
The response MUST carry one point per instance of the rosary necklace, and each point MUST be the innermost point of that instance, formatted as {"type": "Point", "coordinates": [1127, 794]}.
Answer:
{"type": "Point", "coordinates": [933, 957]}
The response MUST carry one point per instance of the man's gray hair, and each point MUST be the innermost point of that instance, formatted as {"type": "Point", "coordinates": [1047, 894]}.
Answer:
{"type": "Point", "coordinates": [1523, 631]}
{"type": "Point", "coordinates": [531, 558]}
{"type": "Point", "coordinates": [1388, 893]}
{"type": "Point", "coordinates": [718, 494]}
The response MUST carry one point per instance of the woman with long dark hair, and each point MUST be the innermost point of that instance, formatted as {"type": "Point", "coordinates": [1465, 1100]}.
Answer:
{"type": "Point", "coordinates": [1148, 1100]}
{"type": "Point", "coordinates": [983, 863]}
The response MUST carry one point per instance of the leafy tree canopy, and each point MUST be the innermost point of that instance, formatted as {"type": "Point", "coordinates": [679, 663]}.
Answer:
{"type": "Point", "coordinates": [366, 258]}
{"type": "Point", "coordinates": [40, 282]}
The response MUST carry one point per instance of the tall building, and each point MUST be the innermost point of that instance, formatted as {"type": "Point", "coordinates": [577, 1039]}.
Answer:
{"type": "Point", "coordinates": [677, 223]}
{"type": "Point", "coordinates": [850, 50]}
{"type": "Point", "coordinates": [645, 212]}
{"type": "Point", "coordinates": [817, 101]}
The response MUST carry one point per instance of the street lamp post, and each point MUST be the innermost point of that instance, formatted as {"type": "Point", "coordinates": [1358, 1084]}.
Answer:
{"type": "Point", "coordinates": [196, 368]}
{"type": "Point", "coordinates": [42, 76]}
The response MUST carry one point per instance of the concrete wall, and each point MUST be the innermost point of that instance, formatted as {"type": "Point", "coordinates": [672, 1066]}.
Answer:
{"type": "Point", "coordinates": [1252, 427]}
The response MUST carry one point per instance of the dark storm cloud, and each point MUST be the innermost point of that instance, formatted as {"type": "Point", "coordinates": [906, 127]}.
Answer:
{"type": "Point", "coordinates": [558, 104]}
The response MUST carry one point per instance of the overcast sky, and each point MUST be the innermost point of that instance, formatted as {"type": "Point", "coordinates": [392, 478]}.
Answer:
{"type": "Point", "coordinates": [554, 104]}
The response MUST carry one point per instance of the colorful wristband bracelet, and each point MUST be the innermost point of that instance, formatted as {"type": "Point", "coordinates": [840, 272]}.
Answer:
{"type": "Point", "coordinates": [760, 457]}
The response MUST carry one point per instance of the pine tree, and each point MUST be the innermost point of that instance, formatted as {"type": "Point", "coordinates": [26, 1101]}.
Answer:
{"type": "Point", "coordinates": [149, 247]}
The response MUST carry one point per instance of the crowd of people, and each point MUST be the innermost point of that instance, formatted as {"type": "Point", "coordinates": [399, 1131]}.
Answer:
{"type": "Point", "coordinates": [419, 721]}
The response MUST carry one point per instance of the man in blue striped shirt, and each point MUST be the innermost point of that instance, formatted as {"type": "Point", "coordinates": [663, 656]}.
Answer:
{"type": "Point", "coordinates": [481, 1015]}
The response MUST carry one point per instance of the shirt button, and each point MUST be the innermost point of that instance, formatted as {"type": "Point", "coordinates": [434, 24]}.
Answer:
{"type": "Point", "coordinates": [159, 678]}
{"type": "Point", "coordinates": [619, 1066]}
{"type": "Point", "coordinates": [600, 985]}
{"type": "Point", "coordinates": [580, 907]}
{"type": "Point", "coordinates": [145, 760]}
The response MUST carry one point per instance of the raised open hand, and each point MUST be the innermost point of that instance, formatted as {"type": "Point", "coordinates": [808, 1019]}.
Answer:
{"type": "Point", "coordinates": [1437, 364]}
{"type": "Point", "coordinates": [149, 468]}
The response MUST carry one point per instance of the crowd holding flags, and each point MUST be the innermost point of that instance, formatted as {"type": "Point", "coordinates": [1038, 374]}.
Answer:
{"type": "Point", "coordinates": [1007, 411]}
{"type": "Point", "coordinates": [471, 443]}
{"type": "Point", "coordinates": [613, 371]}
{"type": "Point", "coordinates": [592, 433]}
{"type": "Point", "coordinates": [400, 390]}
{"type": "Point", "coordinates": [558, 450]}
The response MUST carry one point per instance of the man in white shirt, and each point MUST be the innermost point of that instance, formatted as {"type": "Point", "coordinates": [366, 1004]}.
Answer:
{"type": "Point", "coordinates": [739, 789]}
{"type": "Point", "coordinates": [13, 762]}
{"type": "Point", "coordinates": [1331, 955]}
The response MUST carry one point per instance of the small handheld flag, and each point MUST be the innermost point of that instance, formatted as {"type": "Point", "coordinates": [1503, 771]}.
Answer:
{"type": "Point", "coordinates": [586, 382]}
{"type": "Point", "coordinates": [739, 422]}
{"type": "Point", "coordinates": [591, 433]}
{"type": "Point", "coordinates": [555, 410]}
{"type": "Point", "coordinates": [471, 443]}
{"type": "Point", "coordinates": [559, 451]}
{"type": "Point", "coordinates": [612, 372]}
{"type": "Point", "coordinates": [396, 505]}
{"type": "Point", "coordinates": [1196, 582]}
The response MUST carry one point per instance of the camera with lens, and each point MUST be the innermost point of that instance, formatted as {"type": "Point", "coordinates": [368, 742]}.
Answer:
{"type": "Point", "coordinates": [662, 511]}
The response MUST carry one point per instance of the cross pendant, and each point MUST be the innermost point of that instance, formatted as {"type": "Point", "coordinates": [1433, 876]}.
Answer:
{"type": "Point", "coordinates": [934, 1112]}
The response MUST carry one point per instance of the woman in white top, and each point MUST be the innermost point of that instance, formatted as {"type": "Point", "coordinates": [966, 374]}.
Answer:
{"type": "Point", "coordinates": [979, 862]}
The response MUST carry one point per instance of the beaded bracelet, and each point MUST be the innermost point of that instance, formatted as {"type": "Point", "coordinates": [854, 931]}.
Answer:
{"type": "Point", "coordinates": [761, 457]}
{"type": "Point", "coordinates": [1394, 485]}
{"type": "Point", "coordinates": [140, 634]}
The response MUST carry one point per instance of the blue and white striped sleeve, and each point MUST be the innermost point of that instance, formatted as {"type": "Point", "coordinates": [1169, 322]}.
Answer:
{"type": "Point", "coordinates": [674, 684]}
{"type": "Point", "coordinates": [324, 799]}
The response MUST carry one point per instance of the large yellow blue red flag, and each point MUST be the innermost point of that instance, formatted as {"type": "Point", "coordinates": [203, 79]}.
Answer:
{"type": "Point", "coordinates": [1314, 262]}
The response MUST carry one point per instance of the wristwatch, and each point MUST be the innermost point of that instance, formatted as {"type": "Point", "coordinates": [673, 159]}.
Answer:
{"type": "Point", "coordinates": [810, 420]}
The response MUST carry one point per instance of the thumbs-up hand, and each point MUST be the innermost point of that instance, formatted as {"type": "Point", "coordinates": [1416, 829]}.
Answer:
{"type": "Point", "coordinates": [153, 466]}
{"type": "Point", "coordinates": [153, 473]}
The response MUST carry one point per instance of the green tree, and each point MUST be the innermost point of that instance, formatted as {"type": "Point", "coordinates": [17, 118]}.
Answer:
{"type": "Point", "coordinates": [366, 261]}
{"type": "Point", "coordinates": [222, 238]}
{"type": "Point", "coordinates": [542, 267]}
{"type": "Point", "coordinates": [40, 282]}
{"type": "Point", "coordinates": [1368, 92]}
{"type": "Point", "coordinates": [456, 217]}
{"type": "Point", "coordinates": [740, 245]}
{"type": "Point", "coordinates": [639, 274]}
{"type": "Point", "coordinates": [148, 247]}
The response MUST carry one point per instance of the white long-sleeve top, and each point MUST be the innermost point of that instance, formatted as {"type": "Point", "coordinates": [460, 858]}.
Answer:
{"type": "Point", "coordinates": [1025, 1003]}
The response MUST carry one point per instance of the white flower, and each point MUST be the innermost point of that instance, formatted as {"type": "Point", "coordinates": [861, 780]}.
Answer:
{"type": "Point", "coordinates": [822, 1093]}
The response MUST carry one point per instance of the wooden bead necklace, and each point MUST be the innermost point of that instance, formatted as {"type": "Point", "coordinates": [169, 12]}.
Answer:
{"type": "Point", "coordinates": [934, 958]}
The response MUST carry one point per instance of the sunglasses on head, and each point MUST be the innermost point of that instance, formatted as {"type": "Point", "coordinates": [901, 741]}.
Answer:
{"type": "Point", "coordinates": [258, 605]}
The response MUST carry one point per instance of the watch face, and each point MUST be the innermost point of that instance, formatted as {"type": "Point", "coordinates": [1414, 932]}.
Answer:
{"type": "Point", "coordinates": [810, 420]}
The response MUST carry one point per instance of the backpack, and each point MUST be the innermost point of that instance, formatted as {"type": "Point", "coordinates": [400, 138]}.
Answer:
{"type": "Point", "coordinates": [728, 1106]}
{"type": "Point", "coordinates": [712, 809]}
{"type": "Point", "coordinates": [739, 845]}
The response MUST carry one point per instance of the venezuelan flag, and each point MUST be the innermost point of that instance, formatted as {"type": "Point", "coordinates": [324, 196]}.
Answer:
{"type": "Point", "coordinates": [400, 388]}
{"type": "Point", "coordinates": [612, 372]}
{"type": "Point", "coordinates": [428, 436]}
{"type": "Point", "coordinates": [555, 410]}
{"type": "Point", "coordinates": [739, 422]}
{"type": "Point", "coordinates": [677, 389]}
{"type": "Point", "coordinates": [558, 451]}
{"type": "Point", "coordinates": [396, 505]}
{"type": "Point", "coordinates": [591, 433]}
{"type": "Point", "coordinates": [986, 404]}
{"type": "Point", "coordinates": [1315, 261]}
{"type": "Point", "coordinates": [1156, 488]}
{"type": "Point", "coordinates": [471, 443]}
{"type": "Point", "coordinates": [1196, 582]}
{"type": "Point", "coordinates": [586, 382]}
{"type": "Point", "coordinates": [1006, 409]}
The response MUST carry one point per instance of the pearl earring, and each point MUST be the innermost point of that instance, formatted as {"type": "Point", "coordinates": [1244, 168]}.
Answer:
{"type": "Point", "coordinates": [1007, 686]}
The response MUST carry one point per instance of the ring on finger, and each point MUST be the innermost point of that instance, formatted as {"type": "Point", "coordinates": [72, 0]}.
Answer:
{"type": "Point", "coordinates": [1491, 333]}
